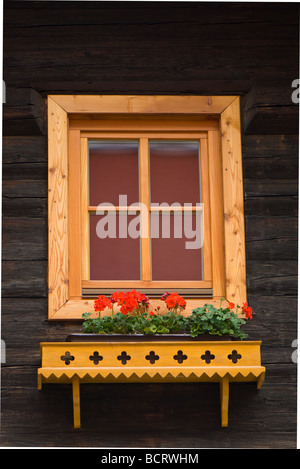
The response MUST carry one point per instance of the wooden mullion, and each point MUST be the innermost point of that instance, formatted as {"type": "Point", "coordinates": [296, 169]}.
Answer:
{"type": "Point", "coordinates": [175, 208]}
{"type": "Point", "coordinates": [145, 209]}
{"type": "Point", "coordinates": [114, 208]}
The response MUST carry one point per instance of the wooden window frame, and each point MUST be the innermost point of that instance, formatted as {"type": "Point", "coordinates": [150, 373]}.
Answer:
{"type": "Point", "coordinates": [145, 243]}
{"type": "Point", "coordinates": [73, 119]}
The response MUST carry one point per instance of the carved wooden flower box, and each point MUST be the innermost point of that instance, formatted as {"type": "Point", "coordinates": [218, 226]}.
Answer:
{"type": "Point", "coordinates": [151, 361]}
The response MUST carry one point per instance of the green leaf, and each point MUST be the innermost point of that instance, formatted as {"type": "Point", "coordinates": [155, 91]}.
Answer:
{"type": "Point", "coordinates": [163, 330]}
{"type": "Point", "coordinates": [150, 330]}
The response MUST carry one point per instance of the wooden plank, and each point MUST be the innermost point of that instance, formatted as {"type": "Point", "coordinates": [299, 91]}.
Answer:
{"type": "Point", "coordinates": [129, 284]}
{"type": "Point", "coordinates": [234, 231]}
{"type": "Point", "coordinates": [143, 104]}
{"type": "Point", "coordinates": [175, 123]}
{"type": "Point", "coordinates": [216, 214]}
{"type": "Point", "coordinates": [74, 215]}
{"type": "Point", "coordinates": [24, 239]}
{"type": "Point", "coordinates": [26, 149]}
{"type": "Point", "coordinates": [24, 207]}
{"type": "Point", "coordinates": [271, 146]}
{"type": "Point", "coordinates": [24, 109]}
{"type": "Point", "coordinates": [22, 188]}
{"type": "Point", "coordinates": [58, 271]}
{"type": "Point", "coordinates": [277, 206]}
{"type": "Point", "coordinates": [26, 279]}
{"type": "Point", "coordinates": [84, 214]}
{"type": "Point", "coordinates": [178, 135]}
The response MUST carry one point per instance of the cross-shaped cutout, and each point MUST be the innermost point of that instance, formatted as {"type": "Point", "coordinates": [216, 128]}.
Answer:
{"type": "Point", "coordinates": [180, 356]}
{"type": "Point", "coordinates": [67, 358]}
{"type": "Point", "coordinates": [124, 358]}
{"type": "Point", "coordinates": [152, 357]}
{"type": "Point", "coordinates": [234, 356]}
{"type": "Point", "coordinates": [96, 358]}
{"type": "Point", "coordinates": [207, 356]}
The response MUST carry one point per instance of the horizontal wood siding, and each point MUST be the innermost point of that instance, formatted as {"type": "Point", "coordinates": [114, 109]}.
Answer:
{"type": "Point", "coordinates": [93, 48]}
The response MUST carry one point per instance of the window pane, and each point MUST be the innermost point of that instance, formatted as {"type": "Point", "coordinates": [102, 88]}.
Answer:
{"type": "Point", "coordinates": [113, 170]}
{"type": "Point", "coordinates": [176, 244]}
{"type": "Point", "coordinates": [174, 171]}
{"type": "Point", "coordinates": [117, 256]}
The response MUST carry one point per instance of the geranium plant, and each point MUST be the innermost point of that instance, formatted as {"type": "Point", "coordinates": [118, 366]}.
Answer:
{"type": "Point", "coordinates": [225, 320]}
{"type": "Point", "coordinates": [134, 316]}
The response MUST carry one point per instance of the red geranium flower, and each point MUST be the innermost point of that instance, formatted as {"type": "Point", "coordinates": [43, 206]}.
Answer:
{"type": "Point", "coordinates": [101, 303]}
{"type": "Point", "coordinates": [247, 311]}
{"type": "Point", "coordinates": [231, 305]}
{"type": "Point", "coordinates": [131, 302]}
{"type": "Point", "coordinates": [173, 300]}
{"type": "Point", "coordinates": [117, 297]}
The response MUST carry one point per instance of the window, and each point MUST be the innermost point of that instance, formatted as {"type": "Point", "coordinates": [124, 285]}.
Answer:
{"type": "Point", "coordinates": [142, 220]}
{"type": "Point", "coordinates": [145, 192]}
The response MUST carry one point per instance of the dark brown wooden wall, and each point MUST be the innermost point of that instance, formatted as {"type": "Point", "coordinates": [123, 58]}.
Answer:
{"type": "Point", "coordinates": [151, 48]}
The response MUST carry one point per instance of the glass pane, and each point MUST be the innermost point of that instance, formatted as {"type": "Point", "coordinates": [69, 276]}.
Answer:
{"type": "Point", "coordinates": [113, 171]}
{"type": "Point", "coordinates": [174, 171]}
{"type": "Point", "coordinates": [176, 244]}
{"type": "Point", "coordinates": [114, 247]}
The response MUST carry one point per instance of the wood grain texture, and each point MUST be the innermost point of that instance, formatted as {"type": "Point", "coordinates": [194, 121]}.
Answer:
{"type": "Point", "coordinates": [74, 203]}
{"type": "Point", "coordinates": [84, 208]}
{"type": "Point", "coordinates": [136, 104]}
{"type": "Point", "coordinates": [144, 182]}
{"type": "Point", "coordinates": [58, 269]}
{"type": "Point", "coordinates": [216, 214]}
{"type": "Point", "coordinates": [233, 197]}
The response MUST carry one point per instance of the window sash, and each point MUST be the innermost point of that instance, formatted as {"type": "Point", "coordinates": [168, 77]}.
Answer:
{"type": "Point", "coordinates": [145, 241]}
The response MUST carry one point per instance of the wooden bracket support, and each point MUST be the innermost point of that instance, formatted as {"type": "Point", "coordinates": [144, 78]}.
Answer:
{"type": "Point", "coordinates": [76, 401]}
{"type": "Point", "coordinates": [224, 400]}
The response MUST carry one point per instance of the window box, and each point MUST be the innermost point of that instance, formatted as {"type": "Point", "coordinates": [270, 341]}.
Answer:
{"type": "Point", "coordinates": [151, 361]}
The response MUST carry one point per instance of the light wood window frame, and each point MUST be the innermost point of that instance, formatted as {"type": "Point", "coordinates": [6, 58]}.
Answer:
{"type": "Point", "coordinates": [145, 283]}
{"type": "Point", "coordinates": [73, 119]}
